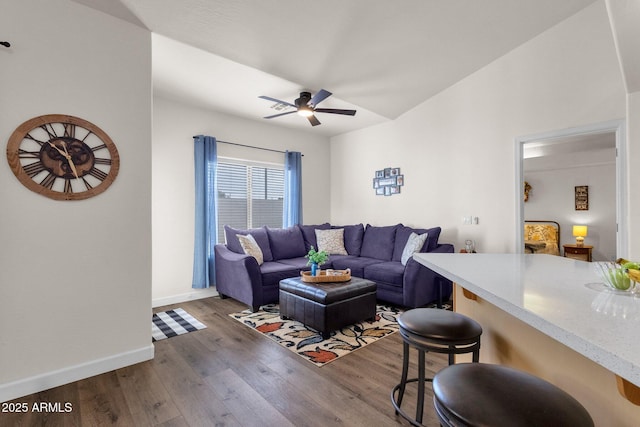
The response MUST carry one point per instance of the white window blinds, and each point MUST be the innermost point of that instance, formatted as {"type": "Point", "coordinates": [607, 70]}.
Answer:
{"type": "Point", "coordinates": [249, 196]}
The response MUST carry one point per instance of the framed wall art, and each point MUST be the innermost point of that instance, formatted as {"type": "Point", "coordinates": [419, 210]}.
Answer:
{"type": "Point", "coordinates": [582, 197]}
{"type": "Point", "coordinates": [388, 181]}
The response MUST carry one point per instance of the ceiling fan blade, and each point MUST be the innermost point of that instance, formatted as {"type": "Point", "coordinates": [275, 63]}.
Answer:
{"type": "Point", "coordinates": [313, 120]}
{"type": "Point", "coordinates": [335, 111]}
{"type": "Point", "coordinates": [319, 97]}
{"type": "Point", "coordinates": [268, 98]}
{"type": "Point", "coordinates": [278, 115]}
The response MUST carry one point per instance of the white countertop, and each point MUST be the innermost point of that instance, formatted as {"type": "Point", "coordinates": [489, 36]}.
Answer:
{"type": "Point", "coordinates": [558, 296]}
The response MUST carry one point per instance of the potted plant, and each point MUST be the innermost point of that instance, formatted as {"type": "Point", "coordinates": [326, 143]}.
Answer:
{"type": "Point", "coordinates": [316, 258]}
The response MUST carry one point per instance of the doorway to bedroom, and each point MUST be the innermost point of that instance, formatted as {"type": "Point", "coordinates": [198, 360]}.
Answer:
{"type": "Point", "coordinates": [573, 177]}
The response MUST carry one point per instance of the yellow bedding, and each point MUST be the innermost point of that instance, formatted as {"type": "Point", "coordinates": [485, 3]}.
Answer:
{"type": "Point", "coordinates": [541, 238]}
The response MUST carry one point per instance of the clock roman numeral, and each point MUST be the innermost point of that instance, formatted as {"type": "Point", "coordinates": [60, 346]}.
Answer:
{"type": "Point", "coordinates": [98, 174]}
{"type": "Point", "coordinates": [24, 154]}
{"type": "Point", "coordinates": [48, 181]}
{"type": "Point", "coordinates": [100, 161]}
{"type": "Point", "coordinates": [86, 184]}
{"type": "Point", "coordinates": [67, 186]}
{"type": "Point", "coordinates": [99, 147]}
{"type": "Point", "coordinates": [69, 130]}
{"type": "Point", "coordinates": [33, 169]}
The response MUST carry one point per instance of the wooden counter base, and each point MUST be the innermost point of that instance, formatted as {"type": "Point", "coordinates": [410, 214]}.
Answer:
{"type": "Point", "coordinates": [508, 341]}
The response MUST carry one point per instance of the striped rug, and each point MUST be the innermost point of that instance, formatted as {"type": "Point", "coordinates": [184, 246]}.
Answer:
{"type": "Point", "coordinates": [167, 324]}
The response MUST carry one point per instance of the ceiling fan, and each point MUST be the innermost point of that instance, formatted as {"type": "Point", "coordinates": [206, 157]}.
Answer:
{"type": "Point", "coordinates": [306, 106]}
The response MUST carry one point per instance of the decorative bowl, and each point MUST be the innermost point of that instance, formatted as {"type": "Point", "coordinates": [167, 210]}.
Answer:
{"type": "Point", "coordinates": [615, 276]}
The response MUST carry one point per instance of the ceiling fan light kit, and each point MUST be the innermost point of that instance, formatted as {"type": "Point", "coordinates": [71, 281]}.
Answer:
{"type": "Point", "coordinates": [305, 106]}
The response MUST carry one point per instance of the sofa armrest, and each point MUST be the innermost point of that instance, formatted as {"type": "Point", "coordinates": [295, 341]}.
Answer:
{"type": "Point", "coordinates": [238, 276]}
{"type": "Point", "coordinates": [422, 285]}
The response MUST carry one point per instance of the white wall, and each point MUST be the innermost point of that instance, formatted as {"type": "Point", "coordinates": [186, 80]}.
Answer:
{"type": "Point", "coordinates": [456, 150]}
{"type": "Point", "coordinates": [75, 281]}
{"type": "Point", "coordinates": [174, 125]}
{"type": "Point", "coordinates": [553, 197]}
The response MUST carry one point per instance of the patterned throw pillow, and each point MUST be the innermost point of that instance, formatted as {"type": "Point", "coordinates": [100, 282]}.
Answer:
{"type": "Point", "coordinates": [331, 241]}
{"type": "Point", "coordinates": [250, 247]}
{"type": "Point", "coordinates": [414, 244]}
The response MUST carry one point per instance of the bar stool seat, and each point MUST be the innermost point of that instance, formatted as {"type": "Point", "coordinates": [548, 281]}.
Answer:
{"type": "Point", "coordinates": [432, 330]}
{"type": "Point", "coordinates": [480, 394]}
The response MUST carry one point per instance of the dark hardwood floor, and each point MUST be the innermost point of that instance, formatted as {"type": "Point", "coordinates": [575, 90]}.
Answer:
{"type": "Point", "coordinates": [230, 375]}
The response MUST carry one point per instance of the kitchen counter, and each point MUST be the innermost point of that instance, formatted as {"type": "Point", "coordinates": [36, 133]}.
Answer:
{"type": "Point", "coordinates": [560, 297]}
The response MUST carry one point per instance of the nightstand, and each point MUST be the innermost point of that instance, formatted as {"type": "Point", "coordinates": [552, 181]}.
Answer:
{"type": "Point", "coordinates": [578, 252]}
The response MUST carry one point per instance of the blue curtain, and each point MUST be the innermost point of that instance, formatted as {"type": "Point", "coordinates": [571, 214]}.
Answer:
{"type": "Point", "coordinates": [292, 212]}
{"type": "Point", "coordinates": [206, 161]}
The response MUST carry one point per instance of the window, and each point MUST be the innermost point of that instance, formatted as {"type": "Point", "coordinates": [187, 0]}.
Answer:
{"type": "Point", "coordinates": [249, 195]}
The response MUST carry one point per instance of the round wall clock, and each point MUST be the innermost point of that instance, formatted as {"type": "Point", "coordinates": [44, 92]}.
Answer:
{"type": "Point", "coordinates": [63, 157]}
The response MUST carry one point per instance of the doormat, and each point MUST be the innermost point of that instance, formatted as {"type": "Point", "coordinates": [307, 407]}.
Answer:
{"type": "Point", "coordinates": [167, 324]}
{"type": "Point", "coordinates": [308, 343]}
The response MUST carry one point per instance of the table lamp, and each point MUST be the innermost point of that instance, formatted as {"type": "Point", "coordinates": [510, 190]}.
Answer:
{"type": "Point", "coordinates": [580, 231]}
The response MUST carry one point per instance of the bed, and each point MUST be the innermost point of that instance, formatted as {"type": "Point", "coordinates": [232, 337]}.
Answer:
{"type": "Point", "coordinates": [541, 237]}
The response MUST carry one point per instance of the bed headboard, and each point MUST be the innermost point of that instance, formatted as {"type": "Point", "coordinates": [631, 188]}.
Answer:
{"type": "Point", "coordinates": [542, 231]}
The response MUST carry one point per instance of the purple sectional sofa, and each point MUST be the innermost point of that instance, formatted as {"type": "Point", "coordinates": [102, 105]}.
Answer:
{"type": "Point", "coordinates": [373, 253]}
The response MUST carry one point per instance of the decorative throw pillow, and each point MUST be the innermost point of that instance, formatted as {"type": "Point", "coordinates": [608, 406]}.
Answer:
{"type": "Point", "coordinates": [331, 241]}
{"type": "Point", "coordinates": [414, 244]}
{"type": "Point", "coordinates": [250, 247]}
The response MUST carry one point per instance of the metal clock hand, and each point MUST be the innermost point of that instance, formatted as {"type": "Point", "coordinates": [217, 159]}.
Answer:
{"type": "Point", "coordinates": [67, 156]}
{"type": "Point", "coordinates": [73, 166]}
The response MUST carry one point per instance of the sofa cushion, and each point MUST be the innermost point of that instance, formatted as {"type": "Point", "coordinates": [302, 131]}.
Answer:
{"type": "Point", "coordinates": [250, 247]}
{"type": "Point", "coordinates": [353, 235]}
{"type": "Point", "coordinates": [274, 271]}
{"type": "Point", "coordinates": [414, 244]}
{"type": "Point", "coordinates": [331, 241]}
{"type": "Point", "coordinates": [286, 242]}
{"type": "Point", "coordinates": [309, 234]}
{"type": "Point", "coordinates": [301, 263]}
{"type": "Point", "coordinates": [378, 242]}
{"type": "Point", "coordinates": [356, 264]}
{"type": "Point", "coordinates": [259, 234]}
{"type": "Point", "coordinates": [402, 236]}
{"type": "Point", "coordinates": [432, 241]}
{"type": "Point", "coordinates": [391, 272]}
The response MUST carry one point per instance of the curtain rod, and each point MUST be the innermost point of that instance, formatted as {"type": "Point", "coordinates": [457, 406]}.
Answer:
{"type": "Point", "coordinates": [251, 146]}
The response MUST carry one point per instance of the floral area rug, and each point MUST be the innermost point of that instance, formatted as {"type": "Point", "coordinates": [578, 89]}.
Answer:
{"type": "Point", "coordinates": [308, 343]}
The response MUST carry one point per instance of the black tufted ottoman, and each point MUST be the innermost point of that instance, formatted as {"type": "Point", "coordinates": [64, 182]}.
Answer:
{"type": "Point", "coordinates": [479, 394]}
{"type": "Point", "coordinates": [328, 306]}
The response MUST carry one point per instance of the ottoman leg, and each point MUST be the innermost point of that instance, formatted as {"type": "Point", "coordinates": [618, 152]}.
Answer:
{"type": "Point", "coordinates": [326, 335]}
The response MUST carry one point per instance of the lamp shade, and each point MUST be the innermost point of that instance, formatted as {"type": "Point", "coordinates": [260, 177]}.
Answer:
{"type": "Point", "coordinates": [580, 230]}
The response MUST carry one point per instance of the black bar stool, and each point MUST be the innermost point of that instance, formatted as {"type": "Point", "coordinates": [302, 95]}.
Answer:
{"type": "Point", "coordinates": [438, 331]}
{"type": "Point", "coordinates": [474, 394]}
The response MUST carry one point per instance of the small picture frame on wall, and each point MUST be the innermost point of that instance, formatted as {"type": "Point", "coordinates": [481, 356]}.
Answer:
{"type": "Point", "coordinates": [582, 197]}
{"type": "Point", "coordinates": [387, 181]}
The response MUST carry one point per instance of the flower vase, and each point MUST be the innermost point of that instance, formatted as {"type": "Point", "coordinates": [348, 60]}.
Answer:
{"type": "Point", "coordinates": [315, 270]}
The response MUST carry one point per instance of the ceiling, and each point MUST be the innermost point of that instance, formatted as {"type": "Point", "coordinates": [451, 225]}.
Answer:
{"type": "Point", "coordinates": [380, 57]}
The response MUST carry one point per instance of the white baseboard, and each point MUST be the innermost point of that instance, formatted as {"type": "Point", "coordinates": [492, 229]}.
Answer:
{"type": "Point", "coordinates": [189, 296]}
{"type": "Point", "coordinates": [24, 387]}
